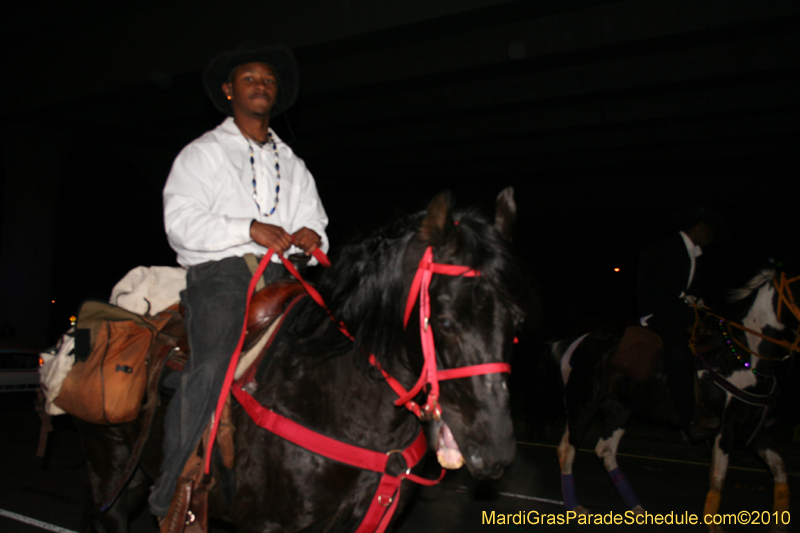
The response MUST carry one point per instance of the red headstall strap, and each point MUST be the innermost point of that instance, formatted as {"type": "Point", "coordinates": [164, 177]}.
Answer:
{"type": "Point", "coordinates": [431, 375]}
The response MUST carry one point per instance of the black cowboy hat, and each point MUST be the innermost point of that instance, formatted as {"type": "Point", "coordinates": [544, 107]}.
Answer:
{"type": "Point", "coordinates": [280, 58]}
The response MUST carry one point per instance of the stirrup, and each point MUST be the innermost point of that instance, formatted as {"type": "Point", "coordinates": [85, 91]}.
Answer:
{"type": "Point", "coordinates": [176, 519]}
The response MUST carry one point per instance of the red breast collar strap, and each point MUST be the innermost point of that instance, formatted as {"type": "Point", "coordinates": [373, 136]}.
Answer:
{"type": "Point", "coordinates": [384, 501]}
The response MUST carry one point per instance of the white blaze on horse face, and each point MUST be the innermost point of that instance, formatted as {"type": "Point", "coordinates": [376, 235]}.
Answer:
{"type": "Point", "coordinates": [761, 314]}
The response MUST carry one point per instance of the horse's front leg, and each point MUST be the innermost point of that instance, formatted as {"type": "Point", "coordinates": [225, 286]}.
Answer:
{"type": "Point", "coordinates": [566, 457]}
{"type": "Point", "coordinates": [781, 503]}
{"type": "Point", "coordinates": [719, 467]}
{"type": "Point", "coordinates": [615, 417]}
{"type": "Point", "coordinates": [606, 450]}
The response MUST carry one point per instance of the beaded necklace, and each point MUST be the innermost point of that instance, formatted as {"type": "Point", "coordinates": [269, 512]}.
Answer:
{"type": "Point", "coordinates": [733, 350]}
{"type": "Point", "coordinates": [277, 174]}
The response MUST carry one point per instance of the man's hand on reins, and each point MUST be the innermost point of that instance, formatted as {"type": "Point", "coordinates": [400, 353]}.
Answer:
{"type": "Point", "coordinates": [270, 236]}
{"type": "Point", "coordinates": [307, 240]}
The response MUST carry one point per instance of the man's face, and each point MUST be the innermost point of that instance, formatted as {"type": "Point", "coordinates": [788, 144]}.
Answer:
{"type": "Point", "coordinates": [702, 234]}
{"type": "Point", "coordinates": [253, 89]}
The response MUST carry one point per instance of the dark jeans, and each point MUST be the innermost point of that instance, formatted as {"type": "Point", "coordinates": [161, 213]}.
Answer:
{"type": "Point", "coordinates": [679, 367]}
{"type": "Point", "coordinates": [215, 300]}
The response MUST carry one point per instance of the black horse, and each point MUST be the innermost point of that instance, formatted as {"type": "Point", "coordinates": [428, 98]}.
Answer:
{"type": "Point", "coordinates": [741, 356]}
{"type": "Point", "coordinates": [323, 380]}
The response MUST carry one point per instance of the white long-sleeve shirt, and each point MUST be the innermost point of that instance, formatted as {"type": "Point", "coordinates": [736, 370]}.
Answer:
{"type": "Point", "coordinates": [208, 197]}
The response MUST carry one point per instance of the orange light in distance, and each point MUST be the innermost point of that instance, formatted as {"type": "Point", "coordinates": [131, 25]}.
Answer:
{"type": "Point", "coordinates": [616, 269]}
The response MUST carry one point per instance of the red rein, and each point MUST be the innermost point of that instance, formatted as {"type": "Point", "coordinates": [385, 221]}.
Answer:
{"type": "Point", "coordinates": [430, 373]}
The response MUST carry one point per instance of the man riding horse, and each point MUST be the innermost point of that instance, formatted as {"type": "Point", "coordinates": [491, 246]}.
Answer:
{"type": "Point", "coordinates": [666, 284]}
{"type": "Point", "coordinates": [236, 190]}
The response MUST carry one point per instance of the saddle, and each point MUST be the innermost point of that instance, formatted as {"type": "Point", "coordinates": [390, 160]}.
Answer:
{"type": "Point", "coordinates": [189, 508]}
{"type": "Point", "coordinates": [637, 353]}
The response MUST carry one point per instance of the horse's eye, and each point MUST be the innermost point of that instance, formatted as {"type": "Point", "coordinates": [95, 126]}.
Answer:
{"type": "Point", "coordinates": [447, 325]}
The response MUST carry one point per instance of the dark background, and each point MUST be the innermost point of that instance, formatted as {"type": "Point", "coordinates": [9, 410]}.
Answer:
{"type": "Point", "coordinates": [607, 117]}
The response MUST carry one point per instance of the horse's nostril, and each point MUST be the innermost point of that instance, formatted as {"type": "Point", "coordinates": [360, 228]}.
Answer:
{"type": "Point", "coordinates": [475, 457]}
{"type": "Point", "coordinates": [496, 472]}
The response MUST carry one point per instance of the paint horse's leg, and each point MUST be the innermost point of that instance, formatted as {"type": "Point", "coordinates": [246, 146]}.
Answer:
{"type": "Point", "coordinates": [606, 450]}
{"type": "Point", "coordinates": [615, 416]}
{"type": "Point", "coordinates": [719, 467]}
{"type": "Point", "coordinates": [579, 414]}
{"type": "Point", "coordinates": [566, 457]}
{"type": "Point", "coordinates": [781, 504]}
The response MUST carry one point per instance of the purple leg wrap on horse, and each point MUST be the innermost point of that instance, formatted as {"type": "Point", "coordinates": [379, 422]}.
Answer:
{"type": "Point", "coordinates": [624, 488]}
{"type": "Point", "coordinates": [568, 491]}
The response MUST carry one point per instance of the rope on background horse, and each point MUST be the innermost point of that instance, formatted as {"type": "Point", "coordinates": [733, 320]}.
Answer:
{"type": "Point", "coordinates": [785, 295]}
{"type": "Point", "coordinates": [788, 346]}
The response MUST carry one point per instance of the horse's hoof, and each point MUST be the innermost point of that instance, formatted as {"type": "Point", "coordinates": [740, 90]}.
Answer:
{"type": "Point", "coordinates": [638, 510]}
{"type": "Point", "coordinates": [580, 509]}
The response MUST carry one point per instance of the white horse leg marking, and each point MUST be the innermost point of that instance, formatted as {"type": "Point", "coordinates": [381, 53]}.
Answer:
{"type": "Point", "coordinates": [775, 463]}
{"type": "Point", "coordinates": [719, 467]}
{"type": "Point", "coordinates": [566, 456]}
{"type": "Point", "coordinates": [778, 469]}
{"type": "Point", "coordinates": [606, 450]}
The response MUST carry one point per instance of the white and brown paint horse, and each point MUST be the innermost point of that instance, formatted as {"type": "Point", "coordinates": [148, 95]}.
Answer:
{"type": "Point", "coordinates": [740, 367]}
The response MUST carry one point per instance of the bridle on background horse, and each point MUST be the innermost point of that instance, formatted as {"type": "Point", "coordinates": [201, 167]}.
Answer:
{"type": "Point", "coordinates": [386, 497]}
{"type": "Point", "coordinates": [785, 298]}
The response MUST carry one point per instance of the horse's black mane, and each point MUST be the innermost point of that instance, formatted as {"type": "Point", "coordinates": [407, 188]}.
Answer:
{"type": "Point", "coordinates": [365, 288]}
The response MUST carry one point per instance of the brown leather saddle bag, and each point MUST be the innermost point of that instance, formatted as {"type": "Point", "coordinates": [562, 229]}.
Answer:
{"type": "Point", "coordinates": [107, 382]}
{"type": "Point", "coordinates": [638, 353]}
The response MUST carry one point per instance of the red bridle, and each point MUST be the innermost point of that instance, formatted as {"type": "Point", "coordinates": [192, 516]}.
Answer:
{"type": "Point", "coordinates": [431, 375]}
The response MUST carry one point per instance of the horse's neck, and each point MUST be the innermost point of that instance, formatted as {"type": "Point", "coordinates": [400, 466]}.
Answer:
{"type": "Point", "coordinates": [332, 395]}
{"type": "Point", "coordinates": [761, 316]}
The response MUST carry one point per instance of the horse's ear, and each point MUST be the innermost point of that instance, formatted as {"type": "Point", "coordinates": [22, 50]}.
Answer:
{"type": "Point", "coordinates": [438, 222]}
{"type": "Point", "coordinates": [505, 213]}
